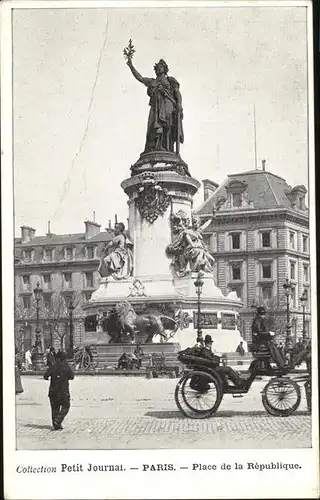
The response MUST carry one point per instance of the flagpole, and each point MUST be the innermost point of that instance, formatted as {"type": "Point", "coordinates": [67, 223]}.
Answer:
{"type": "Point", "coordinates": [255, 137]}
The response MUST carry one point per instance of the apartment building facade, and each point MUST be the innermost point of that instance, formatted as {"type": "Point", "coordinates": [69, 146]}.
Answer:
{"type": "Point", "coordinates": [65, 266]}
{"type": "Point", "coordinates": [260, 237]}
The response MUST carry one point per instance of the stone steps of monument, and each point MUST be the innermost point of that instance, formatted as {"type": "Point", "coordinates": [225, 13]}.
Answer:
{"type": "Point", "coordinates": [107, 355]}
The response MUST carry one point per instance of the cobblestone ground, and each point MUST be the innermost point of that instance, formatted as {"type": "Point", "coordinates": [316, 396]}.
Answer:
{"type": "Point", "coordinates": [136, 413]}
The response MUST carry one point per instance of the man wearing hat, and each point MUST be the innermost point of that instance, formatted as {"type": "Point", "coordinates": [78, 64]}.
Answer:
{"type": "Point", "coordinates": [60, 373]}
{"type": "Point", "coordinates": [259, 329]}
{"type": "Point", "coordinates": [262, 339]}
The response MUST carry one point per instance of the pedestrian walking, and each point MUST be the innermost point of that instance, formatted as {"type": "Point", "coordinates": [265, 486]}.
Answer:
{"type": "Point", "coordinates": [28, 360]}
{"type": "Point", "coordinates": [17, 368]}
{"type": "Point", "coordinates": [59, 395]}
{"type": "Point", "coordinates": [51, 357]}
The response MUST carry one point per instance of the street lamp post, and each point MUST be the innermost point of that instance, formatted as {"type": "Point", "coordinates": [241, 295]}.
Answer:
{"type": "Point", "coordinates": [38, 355]}
{"type": "Point", "coordinates": [71, 347]}
{"type": "Point", "coordinates": [287, 291]}
{"type": "Point", "coordinates": [199, 284]}
{"type": "Point", "coordinates": [303, 300]}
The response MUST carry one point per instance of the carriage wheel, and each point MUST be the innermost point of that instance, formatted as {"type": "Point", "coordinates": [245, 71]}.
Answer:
{"type": "Point", "coordinates": [85, 361]}
{"type": "Point", "coordinates": [281, 397]}
{"type": "Point", "coordinates": [198, 394]}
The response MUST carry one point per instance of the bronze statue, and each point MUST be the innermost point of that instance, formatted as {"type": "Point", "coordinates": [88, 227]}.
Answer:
{"type": "Point", "coordinates": [188, 250]}
{"type": "Point", "coordinates": [165, 117]}
{"type": "Point", "coordinates": [118, 263]}
{"type": "Point", "coordinates": [123, 323]}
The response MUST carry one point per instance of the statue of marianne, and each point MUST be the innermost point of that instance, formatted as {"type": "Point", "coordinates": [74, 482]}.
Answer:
{"type": "Point", "coordinates": [166, 114]}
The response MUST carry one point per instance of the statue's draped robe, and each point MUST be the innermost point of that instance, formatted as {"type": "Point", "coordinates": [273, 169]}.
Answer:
{"type": "Point", "coordinates": [164, 123]}
{"type": "Point", "coordinates": [119, 263]}
{"type": "Point", "coordinates": [191, 251]}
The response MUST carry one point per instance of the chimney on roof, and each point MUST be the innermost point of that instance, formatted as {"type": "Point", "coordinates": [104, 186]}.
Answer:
{"type": "Point", "coordinates": [209, 188]}
{"type": "Point", "coordinates": [27, 233]}
{"type": "Point", "coordinates": [49, 229]}
{"type": "Point", "coordinates": [115, 219]}
{"type": "Point", "coordinates": [263, 165]}
{"type": "Point", "coordinates": [91, 229]}
{"type": "Point", "coordinates": [109, 226]}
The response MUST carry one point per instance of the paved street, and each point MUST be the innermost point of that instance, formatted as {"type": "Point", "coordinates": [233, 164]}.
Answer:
{"type": "Point", "coordinates": [136, 413]}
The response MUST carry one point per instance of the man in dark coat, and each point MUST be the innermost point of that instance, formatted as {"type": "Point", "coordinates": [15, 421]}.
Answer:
{"type": "Point", "coordinates": [60, 373]}
{"type": "Point", "coordinates": [259, 329]}
{"type": "Point", "coordinates": [51, 357]}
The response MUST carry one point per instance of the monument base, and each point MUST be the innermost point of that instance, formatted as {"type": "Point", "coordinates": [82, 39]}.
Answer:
{"type": "Point", "coordinates": [109, 354]}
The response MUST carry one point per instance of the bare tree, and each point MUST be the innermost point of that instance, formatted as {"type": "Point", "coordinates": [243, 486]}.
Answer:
{"type": "Point", "coordinates": [56, 312]}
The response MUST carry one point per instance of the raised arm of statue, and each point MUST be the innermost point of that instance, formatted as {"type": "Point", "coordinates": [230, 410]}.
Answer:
{"type": "Point", "coordinates": [137, 75]}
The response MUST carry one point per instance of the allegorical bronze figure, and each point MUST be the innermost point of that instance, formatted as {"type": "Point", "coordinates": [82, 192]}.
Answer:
{"type": "Point", "coordinates": [164, 129]}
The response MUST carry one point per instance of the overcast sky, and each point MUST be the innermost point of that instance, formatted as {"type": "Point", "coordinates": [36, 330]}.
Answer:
{"type": "Point", "coordinates": [80, 116]}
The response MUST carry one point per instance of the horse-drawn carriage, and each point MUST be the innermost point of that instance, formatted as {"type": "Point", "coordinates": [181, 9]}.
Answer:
{"type": "Point", "coordinates": [199, 392]}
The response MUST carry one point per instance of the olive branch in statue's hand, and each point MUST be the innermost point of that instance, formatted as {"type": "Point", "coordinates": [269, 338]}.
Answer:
{"type": "Point", "coordinates": [129, 51]}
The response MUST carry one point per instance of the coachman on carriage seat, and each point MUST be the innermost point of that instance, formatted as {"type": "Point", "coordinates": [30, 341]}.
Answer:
{"type": "Point", "coordinates": [262, 339]}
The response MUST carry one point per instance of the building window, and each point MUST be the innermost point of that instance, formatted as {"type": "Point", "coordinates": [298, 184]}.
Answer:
{"type": "Point", "coordinates": [26, 280]}
{"type": "Point", "coordinates": [69, 253]}
{"type": "Point", "coordinates": [26, 302]}
{"type": "Point", "coordinates": [301, 203]}
{"type": "Point", "coordinates": [238, 290]}
{"type": "Point", "coordinates": [47, 302]}
{"type": "Point", "coordinates": [266, 239]}
{"type": "Point", "coordinates": [306, 293]}
{"type": "Point", "coordinates": [305, 244]}
{"type": "Point", "coordinates": [293, 296]}
{"type": "Point", "coordinates": [47, 281]}
{"type": "Point", "coordinates": [49, 254]}
{"type": "Point", "coordinates": [87, 295]}
{"type": "Point", "coordinates": [67, 278]}
{"type": "Point", "coordinates": [235, 241]}
{"type": "Point", "coordinates": [90, 252]}
{"type": "Point", "coordinates": [89, 280]}
{"type": "Point", "coordinates": [291, 241]}
{"type": "Point", "coordinates": [236, 271]}
{"type": "Point", "coordinates": [266, 270]}
{"type": "Point", "coordinates": [306, 273]}
{"type": "Point", "coordinates": [292, 270]}
{"type": "Point", "coordinates": [27, 255]}
{"type": "Point", "coordinates": [236, 199]}
{"type": "Point", "coordinates": [266, 292]}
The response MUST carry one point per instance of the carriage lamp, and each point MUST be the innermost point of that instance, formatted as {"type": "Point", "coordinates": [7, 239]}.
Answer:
{"type": "Point", "coordinates": [303, 300]}
{"type": "Point", "coordinates": [71, 308]}
{"type": "Point", "coordinates": [287, 292]}
{"type": "Point", "coordinates": [38, 355]}
{"type": "Point", "coordinates": [199, 284]}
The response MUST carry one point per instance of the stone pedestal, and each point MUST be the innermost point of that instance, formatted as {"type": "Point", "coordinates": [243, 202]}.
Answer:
{"type": "Point", "coordinates": [155, 191]}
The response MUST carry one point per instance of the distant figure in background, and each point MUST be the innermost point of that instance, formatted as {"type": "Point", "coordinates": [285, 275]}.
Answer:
{"type": "Point", "coordinates": [298, 347]}
{"type": "Point", "coordinates": [51, 357]}
{"type": "Point", "coordinates": [28, 360]}
{"type": "Point", "coordinates": [281, 348]}
{"type": "Point", "coordinates": [139, 354]}
{"type": "Point", "coordinates": [17, 368]}
{"type": "Point", "coordinates": [240, 349]}
{"type": "Point", "coordinates": [59, 394]}
{"type": "Point", "coordinates": [33, 355]}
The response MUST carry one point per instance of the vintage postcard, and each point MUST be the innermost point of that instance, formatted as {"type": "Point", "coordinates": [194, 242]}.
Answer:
{"type": "Point", "coordinates": [159, 250]}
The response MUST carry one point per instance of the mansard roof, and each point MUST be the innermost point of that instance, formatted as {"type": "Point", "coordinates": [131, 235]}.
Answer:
{"type": "Point", "coordinates": [264, 190]}
{"type": "Point", "coordinates": [65, 239]}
